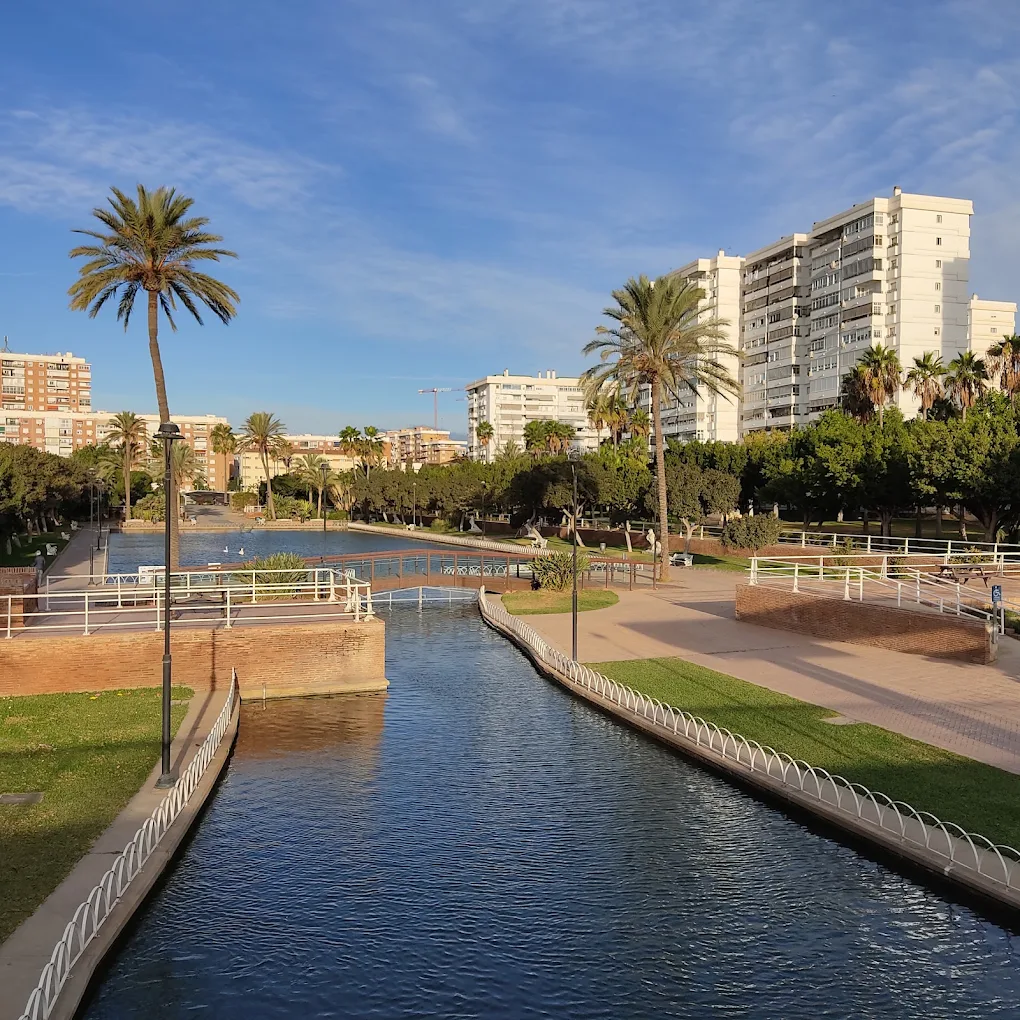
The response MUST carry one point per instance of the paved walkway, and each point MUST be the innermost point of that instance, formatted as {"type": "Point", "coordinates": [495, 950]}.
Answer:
{"type": "Point", "coordinates": [968, 709]}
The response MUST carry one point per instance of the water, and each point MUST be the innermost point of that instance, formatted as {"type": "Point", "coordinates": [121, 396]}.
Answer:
{"type": "Point", "coordinates": [131, 550]}
{"type": "Point", "coordinates": [477, 843]}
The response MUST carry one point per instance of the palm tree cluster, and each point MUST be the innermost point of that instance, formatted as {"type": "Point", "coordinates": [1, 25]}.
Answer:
{"type": "Point", "coordinates": [265, 434]}
{"type": "Point", "coordinates": [367, 449]}
{"type": "Point", "coordinates": [548, 436]}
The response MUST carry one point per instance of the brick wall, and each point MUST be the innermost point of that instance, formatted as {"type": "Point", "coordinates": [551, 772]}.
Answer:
{"type": "Point", "coordinates": [290, 660]}
{"type": "Point", "coordinates": [863, 623]}
{"type": "Point", "coordinates": [16, 581]}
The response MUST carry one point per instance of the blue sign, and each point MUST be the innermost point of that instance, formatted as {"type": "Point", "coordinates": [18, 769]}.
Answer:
{"type": "Point", "coordinates": [996, 593]}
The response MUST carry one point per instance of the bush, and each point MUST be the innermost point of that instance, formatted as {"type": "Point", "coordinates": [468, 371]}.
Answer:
{"type": "Point", "coordinates": [439, 525]}
{"type": "Point", "coordinates": [752, 533]}
{"type": "Point", "coordinates": [150, 508]}
{"type": "Point", "coordinates": [288, 506]}
{"type": "Point", "coordinates": [295, 567]}
{"type": "Point", "coordinates": [240, 500]}
{"type": "Point", "coordinates": [336, 515]}
{"type": "Point", "coordinates": [845, 554]}
{"type": "Point", "coordinates": [556, 571]}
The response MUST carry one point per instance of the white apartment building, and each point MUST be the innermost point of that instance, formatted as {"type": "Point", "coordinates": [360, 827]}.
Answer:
{"type": "Point", "coordinates": [508, 402]}
{"type": "Point", "coordinates": [988, 323]}
{"type": "Point", "coordinates": [44, 382]}
{"type": "Point", "coordinates": [774, 326]}
{"type": "Point", "coordinates": [892, 271]}
{"type": "Point", "coordinates": [700, 414]}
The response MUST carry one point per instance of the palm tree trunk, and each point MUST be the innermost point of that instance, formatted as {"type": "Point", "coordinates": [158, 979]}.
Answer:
{"type": "Point", "coordinates": [127, 484]}
{"type": "Point", "coordinates": [269, 486]}
{"type": "Point", "coordinates": [164, 415]}
{"type": "Point", "coordinates": [660, 477]}
{"type": "Point", "coordinates": [320, 500]}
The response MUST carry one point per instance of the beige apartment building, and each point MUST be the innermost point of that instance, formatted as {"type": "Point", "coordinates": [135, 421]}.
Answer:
{"type": "Point", "coordinates": [44, 382]}
{"type": "Point", "coordinates": [249, 463]}
{"type": "Point", "coordinates": [62, 433]}
{"type": "Point", "coordinates": [988, 323]}
{"type": "Point", "coordinates": [508, 402]}
{"type": "Point", "coordinates": [423, 444]}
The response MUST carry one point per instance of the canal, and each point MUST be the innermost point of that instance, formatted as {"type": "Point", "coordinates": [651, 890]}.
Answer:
{"type": "Point", "coordinates": [476, 843]}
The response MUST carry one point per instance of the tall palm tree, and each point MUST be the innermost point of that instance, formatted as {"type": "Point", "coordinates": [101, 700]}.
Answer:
{"type": "Point", "coordinates": [371, 449]}
{"type": "Point", "coordinates": [485, 432]}
{"type": "Point", "coordinates": [853, 395]}
{"type": "Point", "coordinates": [639, 425]}
{"type": "Point", "coordinates": [184, 463]}
{"type": "Point", "coordinates": [350, 443]}
{"type": "Point", "coordinates": [151, 244]}
{"type": "Point", "coordinates": [925, 379]}
{"type": "Point", "coordinates": [309, 470]}
{"type": "Point", "coordinates": [600, 410]}
{"type": "Point", "coordinates": [880, 373]}
{"type": "Point", "coordinates": [966, 380]}
{"type": "Point", "coordinates": [263, 434]}
{"type": "Point", "coordinates": [1002, 359]}
{"type": "Point", "coordinates": [128, 432]}
{"type": "Point", "coordinates": [658, 341]}
{"type": "Point", "coordinates": [223, 441]}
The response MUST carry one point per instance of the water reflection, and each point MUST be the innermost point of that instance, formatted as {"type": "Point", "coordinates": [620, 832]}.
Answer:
{"type": "Point", "coordinates": [479, 844]}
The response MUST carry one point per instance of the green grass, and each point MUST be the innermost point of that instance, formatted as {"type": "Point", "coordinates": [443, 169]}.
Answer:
{"type": "Point", "coordinates": [723, 562]}
{"type": "Point", "coordinates": [902, 527]}
{"type": "Point", "coordinates": [979, 797]}
{"type": "Point", "coordinates": [88, 754]}
{"type": "Point", "coordinates": [24, 556]}
{"type": "Point", "coordinates": [541, 602]}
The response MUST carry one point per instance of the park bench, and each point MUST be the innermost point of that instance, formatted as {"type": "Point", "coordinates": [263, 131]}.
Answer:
{"type": "Point", "coordinates": [681, 560]}
{"type": "Point", "coordinates": [961, 573]}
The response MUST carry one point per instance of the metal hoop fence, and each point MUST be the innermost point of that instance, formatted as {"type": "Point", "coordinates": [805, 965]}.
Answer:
{"type": "Point", "coordinates": [953, 845]}
{"type": "Point", "coordinates": [106, 894]}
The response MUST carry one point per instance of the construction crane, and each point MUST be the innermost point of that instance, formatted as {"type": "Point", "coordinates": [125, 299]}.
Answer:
{"type": "Point", "coordinates": [435, 391]}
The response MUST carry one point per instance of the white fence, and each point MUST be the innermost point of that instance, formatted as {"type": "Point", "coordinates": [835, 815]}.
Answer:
{"type": "Point", "coordinates": [134, 601]}
{"type": "Point", "coordinates": [84, 926]}
{"type": "Point", "coordinates": [953, 847]}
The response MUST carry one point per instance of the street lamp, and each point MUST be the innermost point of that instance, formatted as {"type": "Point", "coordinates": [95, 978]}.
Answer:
{"type": "Point", "coordinates": [168, 432]}
{"type": "Point", "coordinates": [574, 455]}
{"type": "Point", "coordinates": [324, 468]}
{"type": "Point", "coordinates": [485, 489]}
{"type": "Point", "coordinates": [414, 504]}
{"type": "Point", "coordinates": [99, 513]}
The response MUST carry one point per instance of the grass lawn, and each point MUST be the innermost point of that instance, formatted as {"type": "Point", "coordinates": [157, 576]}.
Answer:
{"type": "Point", "coordinates": [24, 556]}
{"type": "Point", "coordinates": [902, 527]}
{"type": "Point", "coordinates": [979, 797]}
{"type": "Point", "coordinates": [534, 603]}
{"type": "Point", "coordinates": [88, 754]}
{"type": "Point", "coordinates": [722, 562]}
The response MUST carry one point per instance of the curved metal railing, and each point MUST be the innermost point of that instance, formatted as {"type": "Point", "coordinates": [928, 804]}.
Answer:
{"type": "Point", "coordinates": [960, 849]}
{"type": "Point", "coordinates": [106, 894]}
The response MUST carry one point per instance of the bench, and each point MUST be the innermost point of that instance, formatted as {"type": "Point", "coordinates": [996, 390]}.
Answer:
{"type": "Point", "coordinates": [681, 560]}
{"type": "Point", "coordinates": [961, 573]}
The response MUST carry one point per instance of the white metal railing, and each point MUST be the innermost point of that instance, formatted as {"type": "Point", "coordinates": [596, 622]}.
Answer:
{"type": "Point", "coordinates": [88, 919]}
{"type": "Point", "coordinates": [421, 596]}
{"type": "Point", "coordinates": [905, 584]}
{"type": "Point", "coordinates": [958, 848]}
{"type": "Point", "coordinates": [235, 597]}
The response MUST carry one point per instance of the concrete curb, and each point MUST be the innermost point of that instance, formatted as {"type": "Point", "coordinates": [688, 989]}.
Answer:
{"type": "Point", "coordinates": [976, 887]}
{"type": "Point", "coordinates": [28, 949]}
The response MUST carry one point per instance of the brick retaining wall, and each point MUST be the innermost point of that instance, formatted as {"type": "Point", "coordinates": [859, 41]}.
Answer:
{"type": "Point", "coordinates": [291, 660]}
{"type": "Point", "coordinates": [863, 623]}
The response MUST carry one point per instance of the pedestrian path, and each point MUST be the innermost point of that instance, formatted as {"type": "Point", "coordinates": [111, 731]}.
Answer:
{"type": "Point", "coordinates": [969, 709]}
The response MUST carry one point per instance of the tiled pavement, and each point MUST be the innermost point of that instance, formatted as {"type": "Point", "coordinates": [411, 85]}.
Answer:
{"type": "Point", "coordinates": [969, 709]}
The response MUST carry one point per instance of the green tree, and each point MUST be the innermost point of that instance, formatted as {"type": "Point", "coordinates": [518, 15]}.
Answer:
{"type": "Point", "coordinates": [371, 448]}
{"type": "Point", "coordinates": [966, 380]}
{"type": "Point", "coordinates": [485, 433]}
{"type": "Point", "coordinates": [880, 373]}
{"type": "Point", "coordinates": [854, 397]}
{"type": "Point", "coordinates": [659, 340]}
{"type": "Point", "coordinates": [1002, 359]}
{"type": "Point", "coordinates": [932, 460]}
{"type": "Point", "coordinates": [128, 432]}
{"type": "Point", "coordinates": [925, 379]}
{"type": "Point", "coordinates": [309, 468]}
{"type": "Point", "coordinates": [263, 434]}
{"type": "Point", "coordinates": [151, 244]}
{"type": "Point", "coordinates": [883, 473]}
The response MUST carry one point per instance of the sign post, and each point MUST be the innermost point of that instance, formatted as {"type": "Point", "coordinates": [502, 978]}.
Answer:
{"type": "Point", "coordinates": [997, 604]}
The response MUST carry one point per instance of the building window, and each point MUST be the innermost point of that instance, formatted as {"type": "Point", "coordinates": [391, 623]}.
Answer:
{"type": "Point", "coordinates": [938, 240]}
{"type": "Point", "coordinates": [938, 308]}
{"type": "Point", "coordinates": [938, 332]}
{"type": "Point", "coordinates": [938, 263]}
{"type": "Point", "coordinates": [938, 218]}
{"type": "Point", "coordinates": [938, 286]}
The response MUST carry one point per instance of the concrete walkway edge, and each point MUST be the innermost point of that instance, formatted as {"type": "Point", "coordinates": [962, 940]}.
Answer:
{"type": "Point", "coordinates": [26, 953]}
{"type": "Point", "coordinates": [934, 865]}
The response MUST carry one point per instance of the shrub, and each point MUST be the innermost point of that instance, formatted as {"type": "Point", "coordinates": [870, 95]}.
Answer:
{"type": "Point", "coordinates": [288, 506]}
{"type": "Point", "coordinates": [556, 571]}
{"type": "Point", "coordinates": [296, 572]}
{"type": "Point", "coordinates": [844, 554]}
{"type": "Point", "coordinates": [337, 515]}
{"type": "Point", "coordinates": [439, 525]}
{"type": "Point", "coordinates": [240, 500]}
{"type": "Point", "coordinates": [150, 508]}
{"type": "Point", "coordinates": [752, 533]}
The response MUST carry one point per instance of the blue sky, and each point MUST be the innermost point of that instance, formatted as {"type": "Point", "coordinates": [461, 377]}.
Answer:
{"type": "Point", "coordinates": [425, 191]}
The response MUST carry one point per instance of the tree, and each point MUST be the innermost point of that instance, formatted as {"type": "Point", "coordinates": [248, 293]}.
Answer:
{"type": "Point", "coordinates": [853, 395]}
{"type": "Point", "coordinates": [1003, 360]}
{"type": "Point", "coordinates": [966, 380]}
{"type": "Point", "coordinates": [509, 451]}
{"type": "Point", "coordinates": [184, 465]}
{"type": "Point", "coordinates": [988, 464]}
{"type": "Point", "coordinates": [883, 473]}
{"type": "Point", "coordinates": [659, 340]}
{"type": "Point", "coordinates": [223, 441]}
{"type": "Point", "coordinates": [934, 473]}
{"type": "Point", "coordinates": [925, 379]}
{"type": "Point", "coordinates": [639, 425]}
{"type": "Point", "coordinates": [485, 432]}
{"type": "Point", "coordinates": [371, 448]}
{"type": "Point", "coordinates": [128, 432]}
{"type": "Point", "coordinates": [309, 468]}
{"type": "Point", "coordinates": [351, 443]}
{"type": "Point", "coordinates": [880, 373]}
{"type": "Point", "coordinates": [264, 434]}
{"type": "Point", "coordinates": [151, 244]}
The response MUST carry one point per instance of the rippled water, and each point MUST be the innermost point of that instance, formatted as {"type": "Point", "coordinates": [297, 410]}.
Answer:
{"type": "Point", "coordinates": [131, 550]}
{"type": "Point", "coordinates": [477, 843]}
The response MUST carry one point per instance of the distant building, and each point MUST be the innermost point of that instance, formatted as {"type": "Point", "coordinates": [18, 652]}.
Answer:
{"type": "Point", "coordinates": [249, 463]}
{"type": "Point", "coordinates": [508, 402]}
{"type": "Point", "coordinates": [988, 323]}
{"type": "Point", "coordinates": [423, 444]}
{"type": "Point", "coordinates": [45, 382]}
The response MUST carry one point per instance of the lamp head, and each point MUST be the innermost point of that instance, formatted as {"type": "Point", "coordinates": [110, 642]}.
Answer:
{"type": "Point", "coordinates": [573, 454]}
{"type": "Point", "coordinates": [324, 468]}
{"type": "Point", "coordinates": [168, 431]}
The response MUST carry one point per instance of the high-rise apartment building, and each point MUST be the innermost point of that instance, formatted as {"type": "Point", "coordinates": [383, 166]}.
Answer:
{"type": "Point", "coordinates": [423, 444]}
{"type": "Point", "coordinates": [775, 322]}
{"type": "Point", "coordinates": [700, 414]}
{"type": "Point", "coordinates": [989, 322]}
{"type": "Point", "coordinates": [44, 382]}
{"type": "Point", "coordinates": [508, 402]}
{"type": "Point", "coordinates": [63, 432]}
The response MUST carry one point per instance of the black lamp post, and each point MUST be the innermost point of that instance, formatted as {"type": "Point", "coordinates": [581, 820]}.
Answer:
{"type": "Point", "coordinates": [574, 455]}
{"type": "Point", "coordinates": [168, 432]}
{"type": "Point", "coordinates": [99, 514]}
{"type": "Point", "coordinates": [324, 468]}
{"type": "Point", "coordinates": [414, 504]}
{"type": "Point", "coordinates": [485, 490]}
